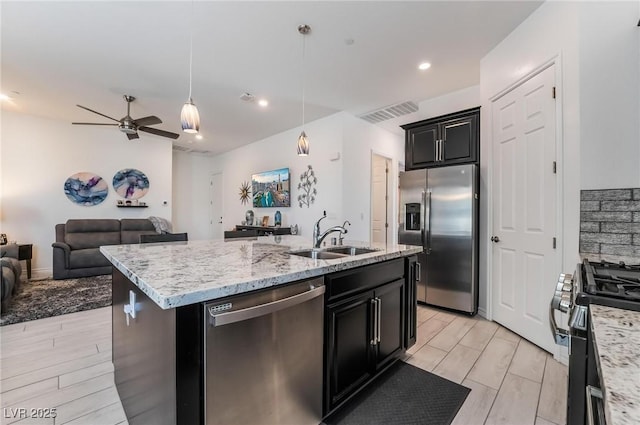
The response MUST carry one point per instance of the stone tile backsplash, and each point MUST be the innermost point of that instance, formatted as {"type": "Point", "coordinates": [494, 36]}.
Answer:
{"type": "Point", "coordinates": [610, 222]}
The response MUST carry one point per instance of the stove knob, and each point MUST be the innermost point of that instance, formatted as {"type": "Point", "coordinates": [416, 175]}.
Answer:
{"type": "Point", "coordinates": [568, 278]}
{"type": "Point", "coordinates": [565, 302]}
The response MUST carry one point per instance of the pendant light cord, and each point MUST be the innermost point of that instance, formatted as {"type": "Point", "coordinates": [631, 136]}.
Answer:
{"type": "Point", "coordinates": [304, 36]}
{"type": "Point", "coordinates": [191, 51]}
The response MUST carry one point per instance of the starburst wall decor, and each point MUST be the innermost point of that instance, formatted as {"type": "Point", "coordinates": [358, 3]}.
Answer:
{"type": "Point", "coordinates": [245, 189]}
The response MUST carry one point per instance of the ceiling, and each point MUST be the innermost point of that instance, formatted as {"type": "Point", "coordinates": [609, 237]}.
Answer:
{"type": "Point", "coordinates": [360, 56]}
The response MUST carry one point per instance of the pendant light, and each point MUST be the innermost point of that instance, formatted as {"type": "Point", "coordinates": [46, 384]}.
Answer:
{"type": "Point", "coordinates": [303, 142]}
{"type": "Point", "coordinates": [189, 116]}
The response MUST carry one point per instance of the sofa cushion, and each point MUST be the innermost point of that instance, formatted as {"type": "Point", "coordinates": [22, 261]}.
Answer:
{"type": "Point", "coordinates": [132, 228]}
{"type": "Point", "coordinates": [83, 258]}
{"type": "Point", "coordinates": [92, 233]}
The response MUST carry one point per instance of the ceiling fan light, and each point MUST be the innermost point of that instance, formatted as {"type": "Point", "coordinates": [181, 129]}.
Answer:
{"type": "Point", "coordinates": [190, 118]}
{"type": "Point", "coordinates": [303, 145]}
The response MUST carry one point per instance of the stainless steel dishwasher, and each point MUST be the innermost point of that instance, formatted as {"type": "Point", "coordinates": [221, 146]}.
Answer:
{"type": "Point", "coordinates": [263, 360]}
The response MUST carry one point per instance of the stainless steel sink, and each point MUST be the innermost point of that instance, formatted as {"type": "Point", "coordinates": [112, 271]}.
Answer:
{"type": "Point", "coordinates": [350, 250]}
{"type": "Point", "coordinates": [332, 253]}
{"type": "Point", "coordinates": [318, 254]}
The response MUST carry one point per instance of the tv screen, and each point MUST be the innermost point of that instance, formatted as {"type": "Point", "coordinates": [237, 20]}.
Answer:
{"type": "Point", "coordinates": [271, 189]}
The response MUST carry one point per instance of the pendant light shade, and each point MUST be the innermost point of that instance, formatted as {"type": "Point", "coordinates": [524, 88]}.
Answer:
{"type": "Point", "coordinates": [190, 117]}
{"type": "Point", "coordinates": [303, 145]}
{"type": "Point", "coordinates": [303, 141]}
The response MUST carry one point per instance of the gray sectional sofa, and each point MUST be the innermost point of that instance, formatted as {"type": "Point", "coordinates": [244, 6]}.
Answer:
{"type": "Point", "coordinates": [11, 271]}
{"type": "Point", "coordinates": [76, 251]}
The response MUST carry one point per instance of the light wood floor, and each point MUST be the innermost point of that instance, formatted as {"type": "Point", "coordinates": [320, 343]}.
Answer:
{"type": "Point", "coordinates": [64, 363]}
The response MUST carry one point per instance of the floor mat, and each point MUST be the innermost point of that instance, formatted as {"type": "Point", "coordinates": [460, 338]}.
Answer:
{"type": "Point", "coordinates": [403, 394]}
{"type": "Point", "coordinates": [38, 299]}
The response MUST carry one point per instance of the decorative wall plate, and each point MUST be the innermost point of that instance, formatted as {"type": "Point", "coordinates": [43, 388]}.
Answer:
{"type": "Point", "coordinates": [130, 183]}
{"type": "Point", "coordinates": [245, 189]}
{"type": "Point", "coordinates": [86, 189]}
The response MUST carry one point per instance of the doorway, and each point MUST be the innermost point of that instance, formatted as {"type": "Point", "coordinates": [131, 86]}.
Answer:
{"type": "Point", "coordinates": [380, 205]}
{"type": "Point", "coordinates": [524, 189]}
{"type": "Point", "coordinates": [215, 219]}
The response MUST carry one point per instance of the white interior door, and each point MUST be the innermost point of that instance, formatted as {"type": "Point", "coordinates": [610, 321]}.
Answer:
{"type": "Point", "coordinates": [216, 206]}
{"type": "Point", "coordinates": [525, 268]}
{"type": "Point", "coordinates": [380, 214]}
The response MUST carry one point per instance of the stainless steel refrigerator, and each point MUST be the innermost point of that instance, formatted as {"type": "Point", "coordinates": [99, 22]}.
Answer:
{"type": "Point", "coordinates": [439, 211]}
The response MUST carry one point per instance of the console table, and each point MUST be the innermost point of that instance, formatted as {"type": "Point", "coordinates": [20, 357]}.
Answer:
{"type": "Point", "coordinates": [266, 230]}
{"type": "Point", "coordinates": [25, 253]}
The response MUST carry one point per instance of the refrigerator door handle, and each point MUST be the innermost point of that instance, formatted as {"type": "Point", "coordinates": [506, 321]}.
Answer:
{"type": "Point", "coordinates": [423, 215]}
{"type": "Point", "coordinates": [428, 220]}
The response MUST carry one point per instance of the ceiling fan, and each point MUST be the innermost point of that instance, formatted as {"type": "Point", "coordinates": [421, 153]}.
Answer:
{"type": "Point", "coordinates": [129, 126]}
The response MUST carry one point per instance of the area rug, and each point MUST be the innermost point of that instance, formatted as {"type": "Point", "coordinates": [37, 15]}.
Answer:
{"type": "Point", "coordinates": [403, 395]}
{"type": "Point", "coordinates": [38, 299]}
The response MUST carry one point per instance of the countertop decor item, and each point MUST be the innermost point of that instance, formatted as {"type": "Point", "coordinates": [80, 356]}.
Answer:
{"type": "Point", "coordinates": [308, 179]}
{"type": "Point", "coordinates": [130, 183]}
{"type": "Point", "coordinates": [86, 189]}
{"type": "Point", "coordinates": [245, 189]}
{"type": "Point", "coordinates": [249, 217]}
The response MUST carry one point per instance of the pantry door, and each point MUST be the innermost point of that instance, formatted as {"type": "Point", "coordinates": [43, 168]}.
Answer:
{"type": "Point", "coordinates": [524, 208]}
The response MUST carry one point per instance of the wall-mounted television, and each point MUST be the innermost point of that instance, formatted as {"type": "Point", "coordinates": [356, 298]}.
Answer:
{"type": "Point", "coordinates": [271, 189]}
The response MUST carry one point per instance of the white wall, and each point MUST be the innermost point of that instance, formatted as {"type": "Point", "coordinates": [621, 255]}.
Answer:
{"type": "Point", "coordinates": [38, 155]}
{"type": "Point", "coordinates": [609, 101]}
{"type": "Point", "coordinates": [597, 46]}
{"type": "Point", "coordinates": [279, 151]}
{"type": "Point", "coordinates": [551, 31]}
{"type": "Point", "coordinates": [191, 210]}
{"type": "Point", "coordinates": [361, 139]}
{"type": "Point", "coordinates": [343, 185]}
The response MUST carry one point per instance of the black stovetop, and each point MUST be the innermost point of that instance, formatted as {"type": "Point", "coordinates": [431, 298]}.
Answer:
{"type": "Point", "coordinates": [611, 284]}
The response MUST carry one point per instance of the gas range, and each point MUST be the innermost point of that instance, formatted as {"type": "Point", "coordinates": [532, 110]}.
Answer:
{"type": "Point", "coordinates": [609, 284]}
{"type": "Point", "coordinates": [603, 283]}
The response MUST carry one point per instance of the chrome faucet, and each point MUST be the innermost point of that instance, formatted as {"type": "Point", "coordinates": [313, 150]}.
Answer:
{"type": "Point", "coordinates": [319, 237]}
{"type": "Point", "coordinates": [341, 235]}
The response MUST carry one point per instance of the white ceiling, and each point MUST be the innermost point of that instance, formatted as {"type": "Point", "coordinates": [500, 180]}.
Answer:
{"type": "Point", "coordinates": [59, 54]}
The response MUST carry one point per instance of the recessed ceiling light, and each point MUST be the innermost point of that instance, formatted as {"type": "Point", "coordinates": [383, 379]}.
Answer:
{"type": "Point", "coordinates": [263, 102]}
{"type": "Point", "coordinates": [424, 65]}
{"type": "Point", "coordinates": [199, 136]}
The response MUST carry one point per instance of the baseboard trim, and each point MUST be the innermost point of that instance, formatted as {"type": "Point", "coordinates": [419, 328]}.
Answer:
{"type": "Point", "coordinates": [482, 312]}
{"type": "Point", "coordinates": [37, 274]}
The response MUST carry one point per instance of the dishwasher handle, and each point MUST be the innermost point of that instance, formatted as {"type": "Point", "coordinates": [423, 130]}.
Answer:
{"type": "Point", "coordinates": [219, 319]}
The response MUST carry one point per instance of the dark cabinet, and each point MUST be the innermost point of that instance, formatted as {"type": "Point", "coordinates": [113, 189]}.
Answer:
{"type": "Point", "coordinates": [364, 326]}
{"type": "Point", "coordinates": [446, 140]}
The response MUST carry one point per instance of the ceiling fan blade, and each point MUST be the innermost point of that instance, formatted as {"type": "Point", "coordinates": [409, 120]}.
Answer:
{"type": "Point", "coordinates": [150, 120]}
{"type": "Point", "coordinates": [133, 136]}
{"type": "Point", "coordinates": [90, 123]}
{"type": "Point", "coordinates": [96, 112]}
{"type": "Point", "coordinates": [158, 132]}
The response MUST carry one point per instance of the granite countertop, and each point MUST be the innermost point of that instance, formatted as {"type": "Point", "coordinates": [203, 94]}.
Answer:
{"type": "Point", "coordinates": [617, 340]}
{"type": "Point", "coordinates": [183, 273]}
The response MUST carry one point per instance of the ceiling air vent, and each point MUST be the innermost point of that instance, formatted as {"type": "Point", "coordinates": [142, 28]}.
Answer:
{"type": "Point", "coordinates": [388, 112]}
{"type": "Point", "coordinates": [181, 148]}
{"type": "Point", "coordinates": [190, 150]}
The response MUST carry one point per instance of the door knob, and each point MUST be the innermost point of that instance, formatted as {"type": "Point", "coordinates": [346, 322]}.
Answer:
{"type": "Point", "coordinates": [495, 239]}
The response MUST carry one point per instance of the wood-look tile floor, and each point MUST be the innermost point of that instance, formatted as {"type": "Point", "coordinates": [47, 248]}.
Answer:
{"type": "Point", "coordinates": [64, 363]}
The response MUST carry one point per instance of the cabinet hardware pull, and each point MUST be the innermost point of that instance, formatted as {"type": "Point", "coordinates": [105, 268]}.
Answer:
{"type": "Point", "coordinates": [379, 302]}
{"type": "Point", "coordinates": [374, 327]}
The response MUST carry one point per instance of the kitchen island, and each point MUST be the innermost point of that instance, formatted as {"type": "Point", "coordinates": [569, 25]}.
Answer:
{"type": "Point", "coordinates": [160, 296]}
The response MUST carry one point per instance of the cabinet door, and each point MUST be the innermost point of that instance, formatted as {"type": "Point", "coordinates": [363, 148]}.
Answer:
{"type": "Point", "coordinates": [349, 335]}
{"type": "Point", "coordinates": [459, 139]}
{"type": "Point", "coordinates": [421, 146]}
{"type": "Point", "coordinates": [391, 322]}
